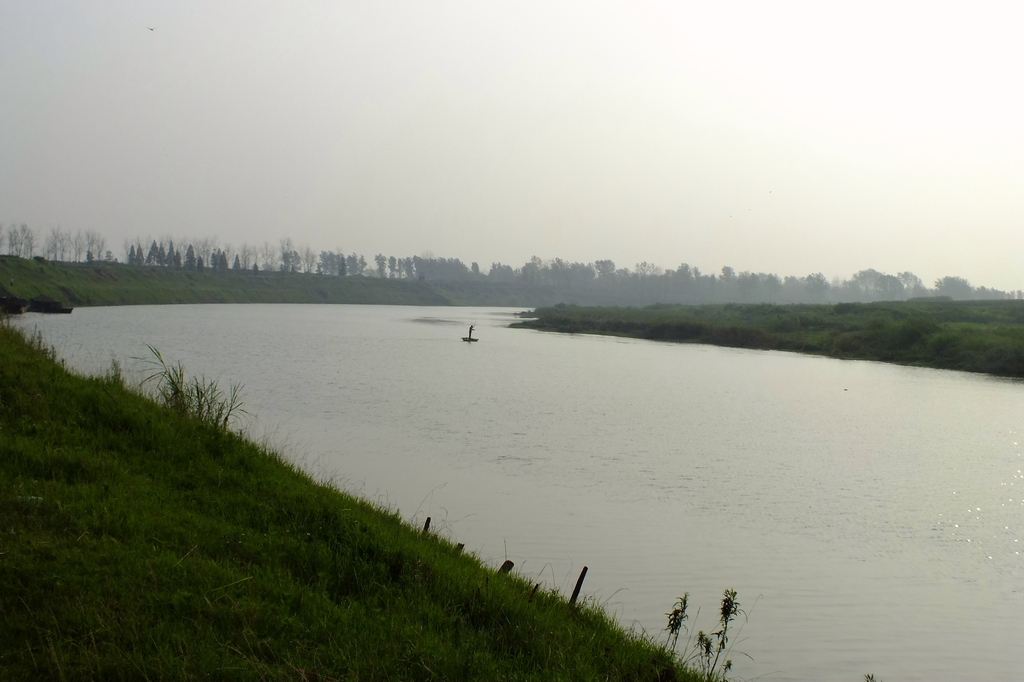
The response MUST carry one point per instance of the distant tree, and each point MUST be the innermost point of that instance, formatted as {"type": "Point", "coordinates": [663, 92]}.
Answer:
{"type": "Point", "coordinates": [199, 263]}
{"type": "Point", "coordinates": [646, 269]}
{"type": "Point", "coordinates": [393, 270]}
{"type": "Point", "coordinates": [28, 240]}
{"type": "Point", "coordinates": [352, 263]}
{"type": "Point", "coordinates": [748, 285]}
{"type": "Point", "coordinates": [190, 258]}
{"type": "Point", "coordinates": [289, 256]}
{"type": "Point", "coordinates": [604, 268]}
{"type": "Point", "coordinates": [63, 245]}
{"type": "Point", "coordinates": [247, 254]}
{"type": "Point", "coordinates": [912, 284]}
{"type": "Point", "coordinates": [500, 272]}
{"type": "Point", "coordinates": [409, 266]}
{"type": "Point", "coordinates": [531, 271]}
{"type": "Point", "coordinates": [684, 277]}
{"type": "Point", "coordinates": [291, 261]}
{"type": "Point", "coordinates": [50, 247]}
{"type": "Point", "coordinates": [204, 248]}
{"type": "Point", "coordinates": [816, 286]}
{"type": "Point", "coordinates": [331, 263]}
{"type": "Point", "coordinates": [78, 246]}
{"type": "Point", "coordinates": [131, 254]}
{"type": "Point", "coordinates": [13, 241]}
{"type": "Point", "coordinates": [382, 264]}
{"type": "Point", "coordinates": [270, 257]}
{"type": "Point", "coordinates": [93, 243]}
{"type": "Point", "coordinates": [237, 265]}
{"type": "Point", "coordinates": [308, 259]}
{"type": "Point", "coordinates": [955, 287]}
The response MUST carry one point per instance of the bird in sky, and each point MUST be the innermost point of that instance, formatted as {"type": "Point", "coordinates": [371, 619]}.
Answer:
{"type": "Point", "coordinates": [151, 28]}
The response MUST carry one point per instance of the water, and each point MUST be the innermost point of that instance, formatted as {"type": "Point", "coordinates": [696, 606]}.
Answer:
{"type": "Point", "coordinates": [870, 516]}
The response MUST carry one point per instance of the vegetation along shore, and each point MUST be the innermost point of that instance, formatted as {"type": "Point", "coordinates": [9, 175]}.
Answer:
{"type": "Point", "coordinates": [976, 336]}
{"type": "Point", "coordinates": [142, 539]}
{"type": "Point", "coordinates": [971, 336]}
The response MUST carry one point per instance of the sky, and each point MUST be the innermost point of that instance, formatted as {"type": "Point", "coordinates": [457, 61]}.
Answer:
{"type": "Point", "coordinates": [772, 137]}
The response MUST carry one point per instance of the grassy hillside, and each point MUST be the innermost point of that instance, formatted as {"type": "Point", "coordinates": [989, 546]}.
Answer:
{"type": "Point", "coordinates": [81, 284]}
{"type": "Point", "coordinates": [140, 542]}
{"type": "Point", "coordinates": [972, 336]}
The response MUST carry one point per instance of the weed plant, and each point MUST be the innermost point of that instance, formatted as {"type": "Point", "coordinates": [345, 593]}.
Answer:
{"type": "Point", "coordinates": [196, 397]}
{"type": "Point", "coordinates": [707, 653]}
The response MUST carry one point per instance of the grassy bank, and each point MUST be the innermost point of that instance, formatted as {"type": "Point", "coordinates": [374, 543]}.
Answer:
{"type": "Point", "coordinates": [139, 542]}
{"type": "Point", "coordinates": [971, 336]}
{"type": "Point", "coordinates": [95, 284]}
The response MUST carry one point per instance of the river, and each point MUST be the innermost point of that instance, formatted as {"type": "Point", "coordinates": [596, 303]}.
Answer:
{"type": "Point", "coordinates": [868, 515]}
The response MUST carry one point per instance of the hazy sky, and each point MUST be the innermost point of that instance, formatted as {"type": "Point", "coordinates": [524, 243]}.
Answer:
{"type": "Point", "coordinates": [769, 136]}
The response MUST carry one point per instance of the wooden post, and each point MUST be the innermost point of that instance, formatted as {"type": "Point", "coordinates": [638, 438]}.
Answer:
{"type": "Point", "coordinates": [533, 593]}
{"type": "Point", "coordinates": [459, 547]}
{"type": "Point", "coordinates": [507, 566]}
{"type": "Point", "coordinates": [426, 526]}
{"type": "Point", "coordinates": [579, 584]}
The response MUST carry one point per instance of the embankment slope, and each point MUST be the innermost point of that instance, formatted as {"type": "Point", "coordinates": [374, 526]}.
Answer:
{"type": "Point", "coordinates": [137, 542]}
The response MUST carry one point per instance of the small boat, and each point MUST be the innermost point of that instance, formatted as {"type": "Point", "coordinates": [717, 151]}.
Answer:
{"type": "Point", "coordinates": [45, 304]}
{"type": "Point", "coordinates": [470, 339]}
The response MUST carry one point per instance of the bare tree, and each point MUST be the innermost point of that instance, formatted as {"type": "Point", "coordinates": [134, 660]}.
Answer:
{"type": "Point", "coordinates": [63, 244]}
{"type": "Point", "coordinates": [101, 244]}
{"type": "Point", "coordinates": [50, 244]}
{"type": "Point", "coordinates": [308, 259]}
{"type": "Point", "coordinates": [204, 247]}
{"type": "Point", "coordinates": [13, 240]}
{"type": "Point", "coordinates": [270, 256]}
{"type": "Point", "coordinates": [246, 255]}
{"type": "Point", "coordinates": [28, 240]}
{"type": "Point", "coordinates": [77, 246]}
{"type": "Point", "coordinates": [94, 244]}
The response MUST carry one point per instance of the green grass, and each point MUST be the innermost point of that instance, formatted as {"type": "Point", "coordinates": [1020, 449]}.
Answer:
{"type": "Point", "coordinates": [141, 542]}
{"type": "Point", "coordinates": [96, 284]}
{"type": "Point", "coordinates": [972, 336]}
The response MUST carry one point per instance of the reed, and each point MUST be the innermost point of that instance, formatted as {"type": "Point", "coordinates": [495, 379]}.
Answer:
{"type": "Point", "coordinates": [196, 397]}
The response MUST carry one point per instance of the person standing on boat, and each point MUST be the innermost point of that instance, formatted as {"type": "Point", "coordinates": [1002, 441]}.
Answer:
{"type": "Point", "coordinates": [470, 332]}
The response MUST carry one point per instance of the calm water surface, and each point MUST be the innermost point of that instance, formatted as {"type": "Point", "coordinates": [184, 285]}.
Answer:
{"type": "Point", "coordinates": [870, 516]}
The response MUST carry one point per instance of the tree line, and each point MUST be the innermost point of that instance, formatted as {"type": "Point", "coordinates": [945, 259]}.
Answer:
{"type": "Point", "coordinates": [644, 283]}
{"type": "Point", "coordinates": [58, 245]}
